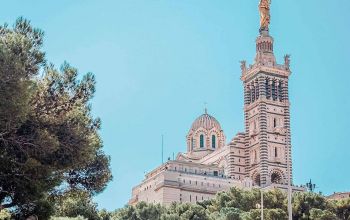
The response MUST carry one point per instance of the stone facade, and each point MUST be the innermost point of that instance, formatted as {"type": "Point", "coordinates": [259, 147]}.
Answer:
{"type": "Point", "coordinates": [180, 181]}
{"type": "Point", "coordinates": [258, 157]}
{"type": "Point", "coordinates": [267, 119]}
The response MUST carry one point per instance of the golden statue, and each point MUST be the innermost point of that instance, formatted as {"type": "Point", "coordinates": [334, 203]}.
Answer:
{"type": "Point", "coordinates": [264, 8]}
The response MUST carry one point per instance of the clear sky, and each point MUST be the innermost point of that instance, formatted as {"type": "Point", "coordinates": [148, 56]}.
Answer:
{"type": "Point", "coordinates": [158, 61]}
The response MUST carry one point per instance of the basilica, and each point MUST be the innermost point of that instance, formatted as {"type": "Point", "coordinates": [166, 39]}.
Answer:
{"type": "Point", "coordinates": [259, 156]}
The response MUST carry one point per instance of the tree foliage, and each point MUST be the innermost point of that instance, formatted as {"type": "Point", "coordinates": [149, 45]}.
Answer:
{"type": "Point", "coordinates": [342, 208]}
{"type": "Point", "coordinates": [49, 141]}
{"type": "Point", "coordinates": [237, 204]}
{"type": "Point", "coordinates": [304, 202]}
{"type": "Point", "coordinates": [75, 203]}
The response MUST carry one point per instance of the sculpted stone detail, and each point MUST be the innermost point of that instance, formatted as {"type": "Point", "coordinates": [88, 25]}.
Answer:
{"type": "Point", "coordinates": [287, 61]}
{"type": "Point", "coordinates": [264, 8]}
{"type": "Point", "coordinates": [243, 66]}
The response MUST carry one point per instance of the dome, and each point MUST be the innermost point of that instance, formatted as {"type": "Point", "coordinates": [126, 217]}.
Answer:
{"type": "Point", "coordinates": [205, 121]}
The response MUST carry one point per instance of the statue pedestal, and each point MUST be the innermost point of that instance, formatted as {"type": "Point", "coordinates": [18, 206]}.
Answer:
{"type": "Point", "coordinates": [264, 32]}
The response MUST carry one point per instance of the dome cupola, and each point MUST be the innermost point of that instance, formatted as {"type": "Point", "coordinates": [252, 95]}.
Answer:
{"type": "Point", "coordinates": [205, 134]}
{"type": "Point", "coordinates": [206, 122]}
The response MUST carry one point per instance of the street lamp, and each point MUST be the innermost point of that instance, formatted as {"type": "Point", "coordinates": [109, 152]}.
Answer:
{"type": "Point", "coordinates": [261, 205]}
{"type": "Point", "coordinates": [289, 186]}
{"type": "Point", "coordinates": [310, 186]}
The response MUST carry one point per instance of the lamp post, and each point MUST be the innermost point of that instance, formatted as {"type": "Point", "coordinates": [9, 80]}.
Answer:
{"type": "Point", "coordinates": [310, 186]}
{"type": "Point", "coordinates": [290, 214]}
{"type": "Point", "coordinates": [262, 204]}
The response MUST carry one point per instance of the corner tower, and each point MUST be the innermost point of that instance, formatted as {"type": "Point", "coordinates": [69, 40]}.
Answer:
{"type": "Point", "coordinates": [266, 110]}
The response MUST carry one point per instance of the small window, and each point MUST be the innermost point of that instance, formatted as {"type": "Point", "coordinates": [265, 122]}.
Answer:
{"type": "Point", "coordinates": [213, 141]}
{"type": "Point", "coordinates": [201, 141]}
{"type": "Point", "coordinates": [276, 153]}
{"type": "Point", "coordinates": [274, 122]}
{"type": "Point", "coordinates": [192, 143]}
{"type": "Point", "coordinates": [215, 173]}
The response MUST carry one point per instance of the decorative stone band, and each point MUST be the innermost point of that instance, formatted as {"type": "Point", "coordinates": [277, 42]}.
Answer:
{"type": "Point", "coordinates": [278, 70]}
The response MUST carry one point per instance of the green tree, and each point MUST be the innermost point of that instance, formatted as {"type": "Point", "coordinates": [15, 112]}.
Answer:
{"type": "Point", "coordinates": [68, 218]}
{"type": "Point", "coordinates": [142, 211]}
{"type": "Point", "coordinates": [5, 215]}
{"type": "Point", "coordinates": [246, 200]}
{"type": "Point", "coordinates": [235, 198]}
{"type": "Point", "coordinates": [304, 202]}
{"type": "Point", "coordinates": [105, 215]}
{"type": "Point", "coordinates": [318, 214]}
{"type": "Point", "coordinates": [237, 204]}
{"type": "Point", "coordinates": [253, 214]}
{"type": "Point", "coordinates": [342, 208]}
{"type": "Point", "coordinates": [269, 214]}
{"type": "Point", "coordinates": [76, 203]}
{"type": "Point", "coordinates": [275, 214]}
{"type": "Point", "coordinates": [184, 211]}
{"type": "Point", "coordinates": [49, 142]}
{"type": "Point", "coordinates": [228, 213]}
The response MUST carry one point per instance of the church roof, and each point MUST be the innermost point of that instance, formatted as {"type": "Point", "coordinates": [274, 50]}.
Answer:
{"type": "Point", "coordinates": [205, 121]}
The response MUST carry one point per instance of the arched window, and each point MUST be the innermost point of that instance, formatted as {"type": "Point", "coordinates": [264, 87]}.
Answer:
{"type": "Point", "coordinates": [276, 153]}
{"type": "Point", "coordinates": [201, 141]}
{"type": "Point", "coordinates": [276, 178]}
{"type": "Point", "coordinates": [192, 144]}
{"type": "Point", "coordinates": [248, 97]}
{"type": "Point", "coordinates": [267, 87]}
{"type": "Point", "coordinates": [256, 180]}
{"type": "Point", "coordinates": [253, 93]}
{"type": "Point", "coordinates": [280, 91]}
{"type": "Point", "coordinates": [213, 141]}
{"type": "Point", "coordinates": [273, 90]}
{"type": "Point", "coordinates": [255, 156]}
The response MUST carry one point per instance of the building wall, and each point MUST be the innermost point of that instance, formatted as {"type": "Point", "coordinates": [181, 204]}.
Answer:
{"type": "Point", "coordinates": [339, 196]}
{"type": "Point", "coordinates": [170, 185]}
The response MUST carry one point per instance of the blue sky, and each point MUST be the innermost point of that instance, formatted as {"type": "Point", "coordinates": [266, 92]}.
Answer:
{"type": "Point", "coordinates": [158, 61]}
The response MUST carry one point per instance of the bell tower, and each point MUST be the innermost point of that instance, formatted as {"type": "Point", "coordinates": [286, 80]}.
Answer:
{"type": "Point", "coordinates": [266, 110]}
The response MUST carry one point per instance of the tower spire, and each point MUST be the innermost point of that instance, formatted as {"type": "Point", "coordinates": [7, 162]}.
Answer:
{"type": "Point", "coordinates": [264, 42]}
